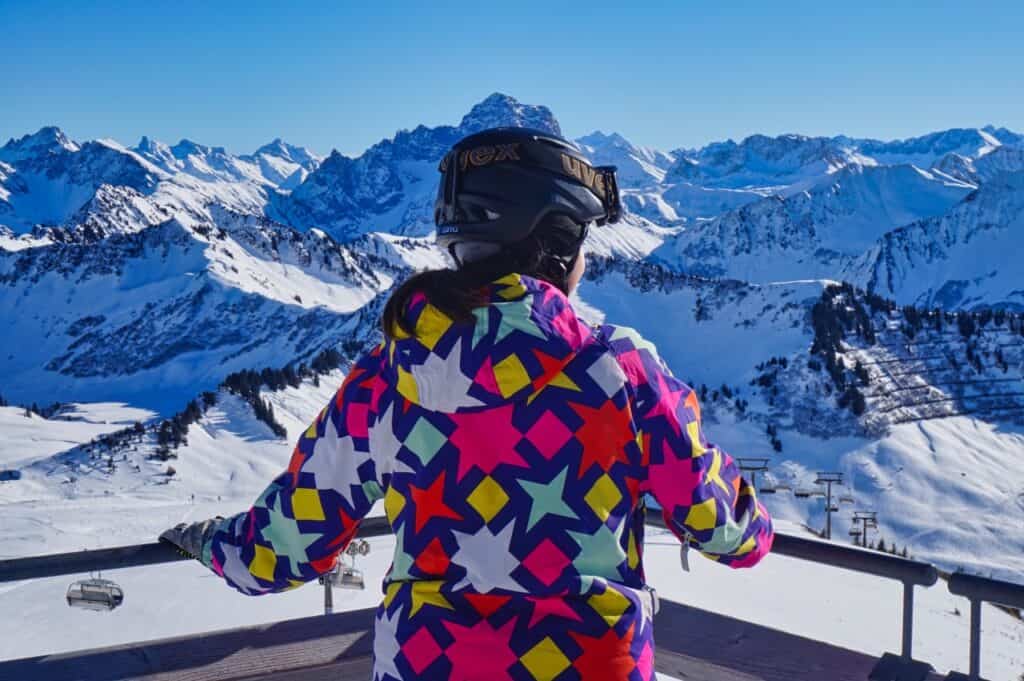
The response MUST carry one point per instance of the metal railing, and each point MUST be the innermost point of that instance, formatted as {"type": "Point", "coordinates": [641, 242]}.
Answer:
{"type": "Point", "coordinates": [910, 573]}
{"type": "Point", "coordinates": [980, 590]}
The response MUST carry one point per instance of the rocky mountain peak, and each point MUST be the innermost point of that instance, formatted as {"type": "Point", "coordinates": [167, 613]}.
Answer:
{"type": "Point", "coordinates": [499, 110]}
{"type": "Point", "coordinates": [47, 140]}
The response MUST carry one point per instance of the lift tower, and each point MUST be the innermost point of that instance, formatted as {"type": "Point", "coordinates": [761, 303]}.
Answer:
{"type": "Point", "coordinates": [753, 466]}
{"type": "Point", "coordinates": [828, 479]}
{"type": "Point", "coordinates": [868, 520]}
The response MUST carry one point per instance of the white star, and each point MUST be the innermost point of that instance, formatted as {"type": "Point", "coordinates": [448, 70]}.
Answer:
{"type": "Point", "coordinates": [335, 462]}
{"type": "Point", "coordinates": [385, 445]}
{"type": "Point", "coordinates": [442, 384]}
{"type": "Point", "coordinates": [487, 560]}
{"type": "Point", "coordinates": [237, 571]}
{"type": "Point", "coordinates": [385, 645]}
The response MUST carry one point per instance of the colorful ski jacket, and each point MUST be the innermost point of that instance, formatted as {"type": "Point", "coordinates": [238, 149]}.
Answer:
{"type": "Point", "coordinates": [513, 456]}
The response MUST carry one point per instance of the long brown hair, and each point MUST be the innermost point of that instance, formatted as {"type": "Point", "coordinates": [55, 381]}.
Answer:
{"type": "Point", "coordinates": [457, 292]}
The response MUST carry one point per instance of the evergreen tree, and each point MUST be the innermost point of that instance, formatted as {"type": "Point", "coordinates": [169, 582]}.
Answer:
{"type": "Point", "coordinates": [861, 373]}
{"type": "Point", "coordinates": [965, 323]}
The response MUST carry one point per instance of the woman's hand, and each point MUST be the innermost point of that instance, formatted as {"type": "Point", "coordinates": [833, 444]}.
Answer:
{"type": "Point", "coordinates": [190, 538]}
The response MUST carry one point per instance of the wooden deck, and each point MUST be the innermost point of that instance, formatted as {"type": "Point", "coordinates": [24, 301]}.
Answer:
{"type": "Point", "coordinates": [692, 645]}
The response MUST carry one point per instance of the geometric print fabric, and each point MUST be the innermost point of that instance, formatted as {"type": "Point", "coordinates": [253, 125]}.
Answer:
{"type": "Point", "coordinates": [513, 455]}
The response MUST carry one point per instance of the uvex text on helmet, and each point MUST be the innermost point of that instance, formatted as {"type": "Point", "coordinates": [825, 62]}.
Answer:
{"type": "Point", "coordinates": [497, 185]}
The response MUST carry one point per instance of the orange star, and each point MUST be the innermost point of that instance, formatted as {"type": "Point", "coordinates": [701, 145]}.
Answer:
{"type": "Point", "coordinates": [605, 433]}
{"type": "Point", "coordinates": [429, 503]}
{"type": "Point", "coordinates": [607, 657]}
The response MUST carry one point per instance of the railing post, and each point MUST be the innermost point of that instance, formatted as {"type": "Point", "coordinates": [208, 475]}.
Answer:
{"type": "Point", "coordinates": [975, 638]}
{"type": "Point", "coordinates": [908, 621]}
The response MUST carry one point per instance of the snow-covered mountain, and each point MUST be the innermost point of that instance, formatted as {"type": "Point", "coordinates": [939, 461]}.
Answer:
{"type": "Point", "coordinates": [46, 179]}
{"type": "Point", "coordinates": [145, 275]}
{"type": "Point", "coordinates": [761, 161]}
{"type": "Point", "coordinates": [150, 317]}
{"type": "Point", "coordinates": [812, 233]}
{"type": "Point", "coordinates": [926, 150]}
{"type": "Point", "coordinates": [964, 258]}
{"type": "Point", "coordinates": [391, 187]}
{"type": "Point", "coordinates": [285, 165]}
{"type": "Point", "coordinates": [637, 166]}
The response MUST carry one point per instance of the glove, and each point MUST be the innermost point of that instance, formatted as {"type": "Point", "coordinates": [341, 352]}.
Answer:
{"type": "Point", "coordinates": [190, 538]}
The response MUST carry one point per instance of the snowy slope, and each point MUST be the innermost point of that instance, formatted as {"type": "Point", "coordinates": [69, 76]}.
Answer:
{"type": "Point", "coordinates": [965, 258]}
{"type": "Point", "coordinates": [717, 333]}
{"type": "Point", "coordinates": [28, 437]}
{"type": "Point", "coordinates": [154, 316]}
{"type": "Point", "coordinates": [710, 332]}
{"type": "Point", "coordinates": [636, 166]}
{"type": "Point", "coordinates": [814, 232]}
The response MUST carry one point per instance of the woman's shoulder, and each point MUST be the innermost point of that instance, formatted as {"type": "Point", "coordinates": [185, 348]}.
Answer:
{"type": "Point", "coordinates": [624, 340]}
{"type": "Point", "coordinates": [636, 357]}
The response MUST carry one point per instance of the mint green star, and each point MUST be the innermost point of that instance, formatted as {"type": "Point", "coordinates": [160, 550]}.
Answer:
{"type": "Point", "coordinates": [515, 316]}
{"type": "Point", "coordinates": [547, 499]}
{"type": "Point", "coordinates": [726, 538]}
{"type": "Point", "coordinates": [483, 324]}
{"type": "Point", "coordinates": [601, 553]}
{"type": "Point", "coordinates": [401, 564]}
{"type": "Point", "coordinates": [285, 539]}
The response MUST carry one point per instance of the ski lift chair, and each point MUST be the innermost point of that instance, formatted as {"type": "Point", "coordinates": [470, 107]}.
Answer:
{"type": "Point", "coordinates": [95, 594]}
{"type": "Point", "coordinates": [846, 499]}
{"type": "Point", "coordinates": [766, 490]}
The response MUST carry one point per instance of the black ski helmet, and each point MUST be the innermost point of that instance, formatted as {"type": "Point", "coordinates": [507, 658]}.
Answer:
{"type": "Point", "coordinates": [499, 184]}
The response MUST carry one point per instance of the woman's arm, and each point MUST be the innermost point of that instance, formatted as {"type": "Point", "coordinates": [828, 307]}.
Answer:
{"type": "Point", "coordinates": [704, 499]}
{"type": "Point", "coordinates": [298, 525]}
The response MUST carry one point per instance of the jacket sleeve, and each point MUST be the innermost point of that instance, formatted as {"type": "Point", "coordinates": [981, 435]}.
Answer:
{"type": "Point", "coordinates": [310, 512]}
{"type": "Point", "coordinates": [703, 498]}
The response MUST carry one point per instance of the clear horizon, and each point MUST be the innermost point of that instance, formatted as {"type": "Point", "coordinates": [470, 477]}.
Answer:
{"type": "Point", "coordinates": [239, 75]}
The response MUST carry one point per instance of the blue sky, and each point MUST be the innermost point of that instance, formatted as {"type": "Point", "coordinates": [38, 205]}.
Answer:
{"type": "Point", "coordinates": [667, 75]}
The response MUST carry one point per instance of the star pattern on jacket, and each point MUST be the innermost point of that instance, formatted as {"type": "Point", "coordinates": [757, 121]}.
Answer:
{"type": "Point", "coordinates": [513, 455]}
